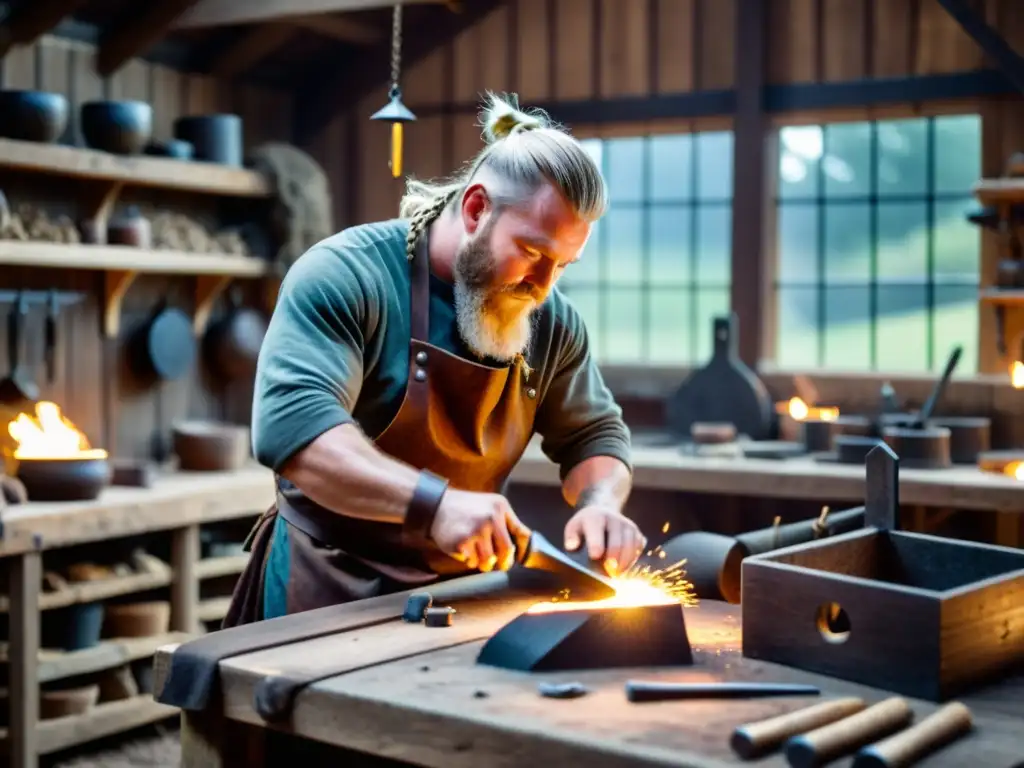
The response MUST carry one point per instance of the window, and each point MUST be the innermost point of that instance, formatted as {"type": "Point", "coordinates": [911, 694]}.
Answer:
{"type": "Point", "coordinates": [878, 265]}
{"type": "Point", "coordinates": [657, 267]}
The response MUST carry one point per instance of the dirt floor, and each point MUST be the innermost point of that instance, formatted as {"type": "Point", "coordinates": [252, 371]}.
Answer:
{"type": "Point", "coordinates": [153, 747]}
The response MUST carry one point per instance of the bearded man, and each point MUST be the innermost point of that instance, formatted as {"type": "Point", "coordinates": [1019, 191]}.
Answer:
{"type": "Point", "coordinates": [406, 368]}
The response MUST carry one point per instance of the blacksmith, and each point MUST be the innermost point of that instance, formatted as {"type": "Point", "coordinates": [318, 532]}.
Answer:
{"type": "Point", "coordinates": [407, 366]}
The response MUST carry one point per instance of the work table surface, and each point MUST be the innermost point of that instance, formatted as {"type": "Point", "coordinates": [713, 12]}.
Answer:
{"type": "Point", "coordinates": [414, 694]}
{"type": "Point", "coordinates": [660, 465]}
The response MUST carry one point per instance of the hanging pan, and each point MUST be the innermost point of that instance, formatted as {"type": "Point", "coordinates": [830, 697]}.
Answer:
{"type": "Point", "coordinates": [231, 346]}
{"type": "Point", "coordinates": [164, 347]}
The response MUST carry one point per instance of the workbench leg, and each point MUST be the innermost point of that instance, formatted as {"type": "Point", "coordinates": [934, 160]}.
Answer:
{"type": "Point", "coordinates": [23, 660]}
{"type": "Point", "coordinates": [185, 555]}
{"type": "Point", "coordinates": [210, 740]}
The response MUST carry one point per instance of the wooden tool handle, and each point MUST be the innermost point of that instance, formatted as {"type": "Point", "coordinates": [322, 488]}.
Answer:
{"type": "Point", "coordinates": [839, 738]}
{"type": "Point", "coordinates": [939, 728]}
{"type": "Point", "coordinates": [755, 739]}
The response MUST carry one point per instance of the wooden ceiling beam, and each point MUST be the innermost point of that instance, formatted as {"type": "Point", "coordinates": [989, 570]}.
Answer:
{"type": "Point", "coordinates": [358, 72]}
{"type": "Point", "coordinates": [134, 37]}
{"type": "Point", "coordinates": [217, 13]}
{"type": "Point", "coordinates": [992, 44]}
{"type": "Point", "coordinates": [254, 46]}
{"type": "Point", "coordinates": [339, 28]}
{"type": "Point", "coordinates": [32, 21]}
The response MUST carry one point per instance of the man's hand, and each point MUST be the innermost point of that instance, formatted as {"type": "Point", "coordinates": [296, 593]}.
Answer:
{"type": "Point", "coordinates": [479, 529]}
{"type": "Point", "coordinates": [608, 535]}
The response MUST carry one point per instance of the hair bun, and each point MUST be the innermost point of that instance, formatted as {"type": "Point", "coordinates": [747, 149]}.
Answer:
{"type": "Point", "coordinates": [501, 117]}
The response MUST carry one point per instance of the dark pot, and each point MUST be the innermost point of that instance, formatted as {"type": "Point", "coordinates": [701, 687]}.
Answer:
{"type": "Point", "coordinates": [74, 628]}
{"type": "Point", "coordinates": [120, 127]}
{"type": "Point", "coordinates": [33, 115]}
{"type": "Point", "coordinates": [176, 148]}
{"type": "Point", "coordinates": [68, 479]}
{"type": "Point", "coordinates": [232, 344]}
{"type": "Point", "coordinates": [130, 228]}
{"type": "Point", "coordinates": [164, 347]}
{"type": "Point", "coordinates": [215, 138]}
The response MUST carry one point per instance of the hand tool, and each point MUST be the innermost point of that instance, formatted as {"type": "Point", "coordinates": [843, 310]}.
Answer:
{"type": "Point", "coordinates": [638, 691]}
{"type": "Point", "coordinates": [834, 740]}
{"type": "Point", "coordinates": [562, 690]}
{"type": "Point", "coordinates": [904, 748]}
{"type": "Point", "coordinates": [536, 552]}
{"type": "Point", "coordinates": [754, 740]}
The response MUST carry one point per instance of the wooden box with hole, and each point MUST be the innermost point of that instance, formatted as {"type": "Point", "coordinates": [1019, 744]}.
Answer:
{"type": "Point", "coordinates": [910, 613]}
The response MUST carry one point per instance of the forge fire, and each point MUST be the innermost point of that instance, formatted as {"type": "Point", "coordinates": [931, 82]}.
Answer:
{"type": "Point", "coordinates": [49, 435]}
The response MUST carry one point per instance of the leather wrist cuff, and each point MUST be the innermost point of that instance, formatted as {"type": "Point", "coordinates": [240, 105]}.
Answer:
{"type": "Point", "coordinates": [426, 498]}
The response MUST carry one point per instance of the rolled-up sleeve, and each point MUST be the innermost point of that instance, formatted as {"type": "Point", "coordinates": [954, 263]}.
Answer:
{"type": "Point", "coordinates": [578, 417]}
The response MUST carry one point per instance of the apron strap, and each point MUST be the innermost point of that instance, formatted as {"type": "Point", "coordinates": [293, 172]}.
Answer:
{"type": "Point", "coordinates": [419, 295]}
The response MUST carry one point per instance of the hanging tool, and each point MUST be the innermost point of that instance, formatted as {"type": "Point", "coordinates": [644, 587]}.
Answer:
{"type": "Point", "coordinates": [395, 112]}
{"type": "Point", "coordinates": [638, 691]}
{"type": "Point", "coordinates": [50, 336]}
{"type": "Point", "coordinates": [754, 740]}
{"type": "Point", "coordinates": [906, 747]}
{"type": "Point", "coordinates": [18, 389]}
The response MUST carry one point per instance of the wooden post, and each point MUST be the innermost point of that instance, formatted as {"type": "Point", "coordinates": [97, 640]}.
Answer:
{"type": "Point", "coordinates": [185, 585]}
{"type": "Point", "coordinates": [25, 579]}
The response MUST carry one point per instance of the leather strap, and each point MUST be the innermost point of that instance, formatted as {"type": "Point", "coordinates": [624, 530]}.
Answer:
{"type": "Point", "coordinates": [426, 498]}
{"type": "Point", "coordinates": [420, 293]}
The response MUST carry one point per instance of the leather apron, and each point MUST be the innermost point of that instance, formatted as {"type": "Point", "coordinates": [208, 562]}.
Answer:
{"type": "Point", "coordinates": [467, 422]}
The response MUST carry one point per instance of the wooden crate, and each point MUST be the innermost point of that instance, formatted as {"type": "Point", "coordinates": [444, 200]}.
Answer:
{"type": "Point", "coordinates": [910, 613]}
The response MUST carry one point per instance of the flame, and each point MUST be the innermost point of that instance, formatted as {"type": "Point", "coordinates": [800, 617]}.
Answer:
{"type": "Point", "coordinates": [49, 435]}
{"type": "Point", "coordinates": [1014, 469]}
{"type": "Point", "coordinates": [639, 587]}
{"type": "Point", "coordinates": [798, 410]}
{"type": "Point", "coordinates": [1017, 374]}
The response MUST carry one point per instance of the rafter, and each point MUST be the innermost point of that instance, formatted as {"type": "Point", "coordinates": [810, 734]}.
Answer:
{"type": "Point", "coordinates": [216, 13]}
{"type": "Point", "coordinates": [138, 34]}
{"type": "Point", "coordinates": [32, 21]}
{"type": "Point", "coordinates": [254, 46]}
{"type": "Point", "coordinates": [358, 73]}
{"type": "Point", "coordinates": [339, 28]}
{"type": "Point", "coordinates": [992, 44]}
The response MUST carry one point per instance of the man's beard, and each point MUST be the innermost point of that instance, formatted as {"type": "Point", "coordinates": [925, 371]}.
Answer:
{"type": "Point", "coordinates": [494, 320]}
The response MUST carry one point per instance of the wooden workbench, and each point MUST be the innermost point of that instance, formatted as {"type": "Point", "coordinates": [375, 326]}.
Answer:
{"type": "Point", "coordinates": [415, 695]}
{"type": "Point", "coordinates": [661, 467]}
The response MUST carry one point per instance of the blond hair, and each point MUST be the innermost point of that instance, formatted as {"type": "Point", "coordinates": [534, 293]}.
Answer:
{"type": "Point", "coordinates": [524, 149]}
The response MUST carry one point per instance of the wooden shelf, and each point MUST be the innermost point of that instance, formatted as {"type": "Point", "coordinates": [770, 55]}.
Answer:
{"type": "Point", "coordinates": [1000, 191]}
{"type": "Point", "coordinates": [214, 567]}
{"type": "Point", "coordinates": [122, 264]}
{"type": "Point", "coordinates": [102, 589]}
{"type": "Point", "coordinates": [214, 608]}
{"type": "Point", "coordinates": [138, 171]}
{"type": "Point", "coordinates": [100, 721]}
{"type": "Point", "coordinates": [1002, 296]}
{"type": "Point", "coordinates": [54, 665]}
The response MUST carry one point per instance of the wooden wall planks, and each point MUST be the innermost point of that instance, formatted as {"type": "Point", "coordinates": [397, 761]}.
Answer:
{"type": "Point", "coordinates": [93, 385]}
{"type": "Point", "coordinates": [564, 50]}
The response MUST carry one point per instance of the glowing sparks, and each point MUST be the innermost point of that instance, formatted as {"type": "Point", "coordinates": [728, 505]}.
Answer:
{"type": "Point", "coordinates": [1015, 469]}
{"type": "Point", "coordinates": [798, 410]}
{"type": "Point", "coordinates": [639, 587]}
{"type": "Point", "coordinates": [1017, 374]}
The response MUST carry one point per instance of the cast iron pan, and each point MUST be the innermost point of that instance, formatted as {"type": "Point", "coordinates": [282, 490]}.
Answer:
{"type": "Point", "coordinates": [164, 347]}
{"type": "Point", "coordinates": [724, 390]}
{"type": "Point", "coordinates": [19, 386]}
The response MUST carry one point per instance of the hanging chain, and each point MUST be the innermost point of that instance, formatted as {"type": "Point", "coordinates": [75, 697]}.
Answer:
{"type": "Point", "coordinates": [396, 44]}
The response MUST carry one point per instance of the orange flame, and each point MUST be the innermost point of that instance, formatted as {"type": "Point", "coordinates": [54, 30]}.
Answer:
{"type": "Point", "coordinates": [1014, 469]}
{"type": "Point", "coordinates": [1017, 374]}
{"type": "Point", "coordinates": [49, 435]}
{"type": "Point", "coordinates": [798, 410]}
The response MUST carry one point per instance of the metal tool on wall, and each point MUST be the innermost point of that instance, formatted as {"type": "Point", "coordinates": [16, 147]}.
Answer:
{"type": "Point", "coordinates": [50, 336]}
{"type": "Point", "coordinates": [19, 386]}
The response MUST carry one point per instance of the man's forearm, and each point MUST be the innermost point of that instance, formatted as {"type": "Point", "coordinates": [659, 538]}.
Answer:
{"type": "Point", "coordinates": [344, 472]}
{"type": "Point", "coordinates": [602, 480]}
